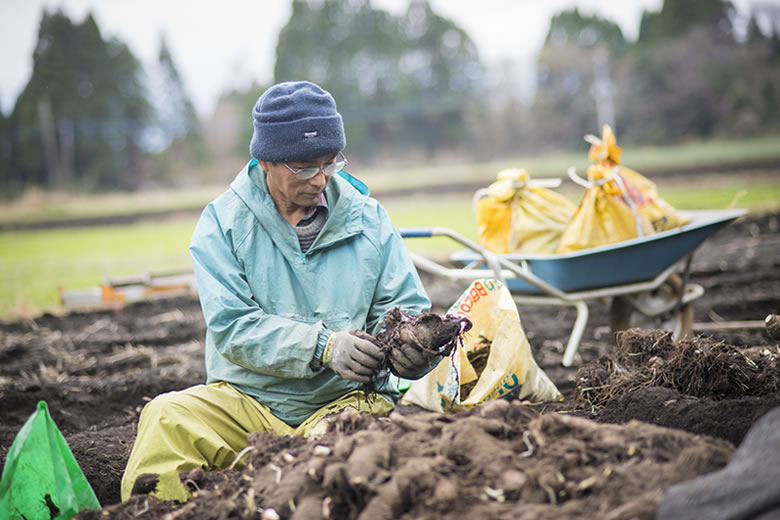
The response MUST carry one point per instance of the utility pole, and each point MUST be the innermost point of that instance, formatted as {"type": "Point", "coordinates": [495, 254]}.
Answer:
{"type": "Point", "coordinates": [603, 89]}
{"type": "Point", "coordinates": [66, 161]}
{"type": "Point", "coordinates": [50, 148]}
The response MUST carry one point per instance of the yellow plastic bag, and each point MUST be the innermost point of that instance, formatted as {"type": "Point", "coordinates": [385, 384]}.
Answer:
{"type": "Point", "coordinates": [605, 215]}
{"type": "Point", "coordinates": [514, 216]}
{"type": "Point", "coordinates": [606, 154]}
{"type": "Point", "coordinates": [619, 204]}
{"type": "Point", "coordinates": [510, 370]}
{"type": "Point", "coordinates": [656, 210]}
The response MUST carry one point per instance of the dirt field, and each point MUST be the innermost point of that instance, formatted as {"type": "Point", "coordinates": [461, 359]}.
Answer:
{"type": "Point", "coordinates": [673, 412]}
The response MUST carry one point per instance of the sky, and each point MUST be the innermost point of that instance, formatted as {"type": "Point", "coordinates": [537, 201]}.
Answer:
{"type": "Point", "coordinates": [222, 45]}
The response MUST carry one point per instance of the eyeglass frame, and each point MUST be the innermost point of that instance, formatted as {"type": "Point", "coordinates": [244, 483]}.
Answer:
{"type": "Point", "coordinates": [312, 172]}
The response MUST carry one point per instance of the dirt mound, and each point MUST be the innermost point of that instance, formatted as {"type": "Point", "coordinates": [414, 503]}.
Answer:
{"type": "Point", "coordinates": [500, 460]}
{"type": "Point", "coordinates": [698, 367]}
{"type": "Point", "coordinates": [96, 370]}
{"type": "Point", "coordinates": [698, 384]}
{"type": "Point", "coordinates": [728, 419]}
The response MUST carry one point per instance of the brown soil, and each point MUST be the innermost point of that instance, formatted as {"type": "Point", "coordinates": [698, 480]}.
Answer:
{"type": "Point", "coordinates": [660, 419]}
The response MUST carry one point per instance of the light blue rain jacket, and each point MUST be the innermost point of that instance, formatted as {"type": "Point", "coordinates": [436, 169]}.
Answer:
{"type": "Point", "coordinates": [265, 302]}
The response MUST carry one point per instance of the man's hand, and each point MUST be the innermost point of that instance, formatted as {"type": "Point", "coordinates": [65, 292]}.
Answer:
{"type": "Point", "coordinates": [352, 357]}
{"type": "Point", "coordinates": [408, 361]}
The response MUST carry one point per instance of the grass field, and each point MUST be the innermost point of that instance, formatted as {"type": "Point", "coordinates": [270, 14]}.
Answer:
{"type": "Point", "coordinates": [34, 264]}
{"type": "Point", "coordinates": [37, 206]}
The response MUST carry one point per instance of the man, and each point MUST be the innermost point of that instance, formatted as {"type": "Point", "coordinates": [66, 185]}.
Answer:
{"type": "Point", "coordinates": [288, 261]}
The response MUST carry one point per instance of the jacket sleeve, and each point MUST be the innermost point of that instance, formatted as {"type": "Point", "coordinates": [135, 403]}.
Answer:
{"type": "Point", "coordinates": [399, 284]}
{"type": "Point", "coordinates": [238, 328]}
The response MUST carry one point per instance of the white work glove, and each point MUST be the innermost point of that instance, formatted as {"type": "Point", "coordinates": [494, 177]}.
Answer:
{"type": "Point", "coordinates": [408, 361]}
{"type": "Point", "coordinates": [352, 357]}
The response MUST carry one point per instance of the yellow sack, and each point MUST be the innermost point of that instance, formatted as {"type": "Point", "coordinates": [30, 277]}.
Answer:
{"type": "Point", "coordinates": [604, 149]}
{"type": "Point", "coordinates": [605, 215]}
{"type": "Point", "coordinates": [606, 153]}
{"type": "Point", "coordinates": [510, 370]}
{"type": "Point", "coordinates": [619, 204]}
{"type": "Point", "coordinates": [514, 216]}
{"type": "Point", "coordinates": [656, 210]}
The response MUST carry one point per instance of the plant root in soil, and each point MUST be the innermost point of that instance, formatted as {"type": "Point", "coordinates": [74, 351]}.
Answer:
{"type": "Point", "coordinates": [698, 367]}
{"type": "Point", "coordinates": [433, 335]}
{"type": "Point", "coordinates": [698, 384]}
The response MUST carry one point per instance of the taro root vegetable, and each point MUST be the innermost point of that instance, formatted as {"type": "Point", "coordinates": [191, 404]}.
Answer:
{"type": "Point", "coordinates": [432, 334]}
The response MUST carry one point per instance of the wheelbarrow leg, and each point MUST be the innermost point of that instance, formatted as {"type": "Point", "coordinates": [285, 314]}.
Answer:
{"type": "Point", "coordinates": [576, 333]}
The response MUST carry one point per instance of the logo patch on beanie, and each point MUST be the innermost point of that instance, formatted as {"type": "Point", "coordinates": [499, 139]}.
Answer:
{"type": "Point", "coordinates": [313, 133]}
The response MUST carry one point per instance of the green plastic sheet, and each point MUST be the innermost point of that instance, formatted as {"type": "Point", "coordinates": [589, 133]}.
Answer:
{"type": "Point", "coordinates": [41, 478]}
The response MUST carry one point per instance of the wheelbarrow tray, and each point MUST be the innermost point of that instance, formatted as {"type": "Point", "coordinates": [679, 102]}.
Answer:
{"type": "Point", "coordinates": [622, 263]}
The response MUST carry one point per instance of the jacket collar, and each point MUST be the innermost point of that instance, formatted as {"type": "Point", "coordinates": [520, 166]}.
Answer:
{"type": "Point", "coordinates": [345, 206]}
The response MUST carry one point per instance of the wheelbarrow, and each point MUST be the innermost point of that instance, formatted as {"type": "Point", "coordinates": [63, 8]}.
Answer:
{"type": "Point", "coordinates": [644, 279]}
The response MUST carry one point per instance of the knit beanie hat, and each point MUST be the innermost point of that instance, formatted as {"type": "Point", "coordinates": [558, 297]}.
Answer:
{"type": "Point", "coordinates": [296, 121]}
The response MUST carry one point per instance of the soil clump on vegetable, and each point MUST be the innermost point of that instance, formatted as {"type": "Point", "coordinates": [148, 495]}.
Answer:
{"type": "Point", "coordinates": [432, 334]}
{"type": "Point", "coordinates": [641, 412]}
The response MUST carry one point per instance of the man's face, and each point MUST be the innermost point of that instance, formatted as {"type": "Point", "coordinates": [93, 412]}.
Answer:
{"type": "Point", "coordinates": [291, 191]}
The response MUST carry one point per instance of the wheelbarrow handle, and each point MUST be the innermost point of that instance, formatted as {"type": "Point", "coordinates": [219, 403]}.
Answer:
{"type": "Point", "coordinates": [423, 232]}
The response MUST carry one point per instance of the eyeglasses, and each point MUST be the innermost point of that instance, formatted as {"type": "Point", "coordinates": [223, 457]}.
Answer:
{"type": "Point", "coordinates": [328, 169]}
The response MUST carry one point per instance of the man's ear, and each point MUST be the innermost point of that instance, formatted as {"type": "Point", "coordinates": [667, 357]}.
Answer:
{"type": "Point", "coordinates": [264, 165]}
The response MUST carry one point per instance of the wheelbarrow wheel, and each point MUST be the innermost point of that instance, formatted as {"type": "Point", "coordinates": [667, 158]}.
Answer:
{"type": "Point", "coordinates": [623, 314]}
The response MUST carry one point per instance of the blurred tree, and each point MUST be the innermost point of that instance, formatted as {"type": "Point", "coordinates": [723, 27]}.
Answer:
{"type": "Point", "coordinates": [80, 118]}
{"type": "Point", "coordinates": [685, 76]}
{"type": "Point", "coordinates": [575, 89]}
{"type": "Point", "coordinates": [351, 50]}
{"type": "Point", "coordinates": [501, 125]}
{"type": "Point", "coordinates": [245, 101]}
{"type": "Point", "coordinates": [775, 43]}
{"type": "Point", "coordinates": [676, 88]}
{"type": "Point", "coordinates": [572, 28]}
{"type": "Point", "coordinates": [176, 117]}
{"type": "Point", "coordinates": [441, 74]}
{"type": "Point", "coordinates": [175, 134]}
{"type": "Point", "coordinates": [678, 79]}
{"type": "Point", "coordinates": [8, 185]}
{"type": "Point", "coordinates": [677, 17]}
{"type": "Point", "coordinates": [563, 109]}
{"type": "Point", "coordinates": [401, 80]}
{"type": "Point", "coordinates": [753, 32]}
{"type": "Point", "coordinates": [752, 77]}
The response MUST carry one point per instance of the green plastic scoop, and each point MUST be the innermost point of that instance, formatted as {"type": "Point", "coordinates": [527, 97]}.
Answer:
{"type": "Point", "coordinates": [41, 478]}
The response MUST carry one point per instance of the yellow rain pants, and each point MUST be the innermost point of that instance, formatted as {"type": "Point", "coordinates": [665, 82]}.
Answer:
{"type": "Point", "coordinates": [206, 426]}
